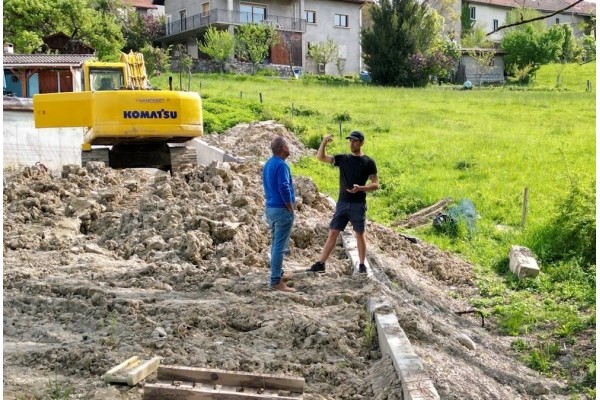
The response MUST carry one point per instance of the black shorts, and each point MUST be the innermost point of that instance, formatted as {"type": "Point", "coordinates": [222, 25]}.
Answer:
{"type": "Point", "coordinates": [353, 212]}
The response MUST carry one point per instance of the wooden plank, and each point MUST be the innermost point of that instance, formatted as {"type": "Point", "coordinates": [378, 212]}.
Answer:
{"type": "Point", "coordinates": [132, 370]}
{"type": "Point", "coordinates": [142, 371]}
{"type": "Point", "coordinates": [185, 391]}
{"type": "Point", "coordinates": [230, 378]}
{"type": "Point", "coordinates": [115, 374]}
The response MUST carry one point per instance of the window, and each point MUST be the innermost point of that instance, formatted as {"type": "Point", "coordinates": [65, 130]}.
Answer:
{"type": "Point", "coordinates": [183, 20]}
{"type": "Point", "coordinates": [472, 13]}
{"type": "Point", "coordinates": [557, 21]}
{"type": "Point", "coordinates": [205, 9]}
{"type": "Point", "coordinates": [341, 20]}
{"type": "Point", "coordinates": [252, 13]}
{"type": "Point", "coordinates": [310, 16]}
{"type": "Point", "coordinates": [495, 24]}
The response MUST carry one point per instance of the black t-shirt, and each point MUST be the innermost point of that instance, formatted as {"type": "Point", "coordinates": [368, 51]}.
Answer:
{"type": "Point", "coordinates": [353, 170]}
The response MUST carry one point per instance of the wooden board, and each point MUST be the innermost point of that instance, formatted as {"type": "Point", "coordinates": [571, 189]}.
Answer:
{"type": "Point", "coordinates": [190, 383]}
{"type": "Point", "coordinates": [164, 390]}
{"type": "Point", "coordinates": [132, 370]}
{"type": "Point", "coordinates": [230, 378]}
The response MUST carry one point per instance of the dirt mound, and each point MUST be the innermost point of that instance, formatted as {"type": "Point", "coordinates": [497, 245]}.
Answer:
{"type": "Point", "coordinates": [101, 265]}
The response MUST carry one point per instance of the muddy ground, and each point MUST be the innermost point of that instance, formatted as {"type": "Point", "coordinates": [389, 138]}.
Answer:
{"type": "Point", "coordinates": [101, 265]}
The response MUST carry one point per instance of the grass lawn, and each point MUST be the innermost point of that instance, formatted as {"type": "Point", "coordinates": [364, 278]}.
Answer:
{"type": "Point", "coordinates": [485, 145]}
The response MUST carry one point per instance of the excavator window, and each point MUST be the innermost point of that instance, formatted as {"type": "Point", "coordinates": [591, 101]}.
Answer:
{"type": "Point", "coordinates": [106, 79]}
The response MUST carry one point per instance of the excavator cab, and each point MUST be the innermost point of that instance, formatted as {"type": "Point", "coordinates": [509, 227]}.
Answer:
{"type": "Point", "coordinates": [104, 76]}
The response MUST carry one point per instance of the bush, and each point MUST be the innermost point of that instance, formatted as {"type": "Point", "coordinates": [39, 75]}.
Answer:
{"type": "Point", "coordinates": [571, 234]}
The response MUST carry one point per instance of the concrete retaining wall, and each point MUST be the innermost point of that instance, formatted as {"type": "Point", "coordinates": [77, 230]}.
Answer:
{"type": "Point", "coordinates": [23, 144]}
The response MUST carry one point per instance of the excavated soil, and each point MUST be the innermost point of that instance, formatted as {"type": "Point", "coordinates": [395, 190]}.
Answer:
{"type": "Point", "coordinates": [101, 265]}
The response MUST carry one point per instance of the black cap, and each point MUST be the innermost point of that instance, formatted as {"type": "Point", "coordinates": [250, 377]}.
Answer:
{"type": "Point", "coordinates": [356, 135]}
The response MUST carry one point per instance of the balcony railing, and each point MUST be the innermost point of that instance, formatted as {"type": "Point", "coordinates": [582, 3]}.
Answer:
{"type": "Point", "coordinates": [227, 17]}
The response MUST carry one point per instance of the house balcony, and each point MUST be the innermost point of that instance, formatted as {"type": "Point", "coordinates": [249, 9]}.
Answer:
{"type": "Point", "coordinates": [196, 24]}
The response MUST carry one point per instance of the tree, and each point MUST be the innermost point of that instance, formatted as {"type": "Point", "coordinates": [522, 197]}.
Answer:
{"type": "Point", "coordinates": [157, 60]}
{"type": "Point", "coordinates": [140, 30]}
{"type": "Point", "coordinates": [218, 45]}
{"type": "Point", "coordinates": [27, 22]}
{"type": "Point", "coordinates": [324, 52]}
{"type": "Point", "coordinates": [571, 51]}
{"type": "Point", "coordinates": [401, 28]}
{"type": "Point", "coordinates": [253, 42]}
{"type": "Point", "coordinates": [531, 45]}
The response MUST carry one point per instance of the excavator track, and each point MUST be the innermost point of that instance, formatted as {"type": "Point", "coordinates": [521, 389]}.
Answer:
{"type": "Point", "coordinates": [160, 156]}
{"type": "Point", "coordinates": [99, 154]}
{"type": "Point", "coordinates": [182, 156]}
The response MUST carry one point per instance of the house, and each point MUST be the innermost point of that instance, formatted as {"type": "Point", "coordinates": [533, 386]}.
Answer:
{"type": "Point", "coordinates": [29, 74]}
{"type": "Point", "coordinates": [61, 43]}
{"type": "Point", "coordinates": [145, 7]}
{"type": "Point", "coordinates": [300, 22]}
{"type": "Point", "coordinates": [491, 14]}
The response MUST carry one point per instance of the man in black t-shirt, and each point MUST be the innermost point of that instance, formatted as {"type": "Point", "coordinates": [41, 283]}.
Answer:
{"type": "Point", "coordinates": [355, 170]}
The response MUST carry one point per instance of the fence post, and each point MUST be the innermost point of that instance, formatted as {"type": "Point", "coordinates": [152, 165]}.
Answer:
{"type": "Point", "coordinates": [524, 211]}
{"type": "Point", "coordinates": [260, 97]}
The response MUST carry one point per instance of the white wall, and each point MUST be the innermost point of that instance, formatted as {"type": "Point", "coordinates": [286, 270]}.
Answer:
{"type": "Point", "coordinates": [324, 27]}
{"type": "Point", "coordinates": [25, 145]}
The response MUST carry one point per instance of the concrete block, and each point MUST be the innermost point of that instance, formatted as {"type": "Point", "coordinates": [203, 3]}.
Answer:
{"type": "Point", "coordinates": [419, 387]}
{"type": "Point", "coordinates": [522, 262]}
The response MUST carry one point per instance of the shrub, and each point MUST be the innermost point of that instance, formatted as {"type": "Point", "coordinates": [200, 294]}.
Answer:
{"type": "Point", "coordinates": [571, 234]}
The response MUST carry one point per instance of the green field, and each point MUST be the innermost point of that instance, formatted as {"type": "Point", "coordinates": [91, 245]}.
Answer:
{"type": "Point", "coordinates": [485, 145]}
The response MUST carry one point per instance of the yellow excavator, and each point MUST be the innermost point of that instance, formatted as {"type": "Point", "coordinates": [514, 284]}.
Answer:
{"type": "Point", "coordinates": [128, 124]}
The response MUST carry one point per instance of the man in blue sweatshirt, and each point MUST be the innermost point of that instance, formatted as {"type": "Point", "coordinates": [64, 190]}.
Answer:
{"type": "Point", "coordinates": [280, 200]}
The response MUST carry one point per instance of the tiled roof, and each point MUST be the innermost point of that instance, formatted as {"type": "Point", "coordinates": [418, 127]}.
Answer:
{"type": "Point", "coordinates": [147, 4]}
{"type": "Point", "coordinates": [32, 60]}
{"type": "Point", "coordinates": [585, 8]}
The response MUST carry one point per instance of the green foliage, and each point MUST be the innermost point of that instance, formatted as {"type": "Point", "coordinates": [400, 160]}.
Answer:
{"type": "Point", "coordinates": [253, 42]}
{"type": "Point", "coordinates": [268, 72]}
{"type": "Point", "coordinates": [57, 390]}
{"type": "Point", "coordinates": [401, 29]}
{"type": "Point", "coordinates": [314, 141]}
{"type": "Point", "coordinates": [539, 360]}
{"type": "Point", "coordinates": [466, 23]}
{"type": "Point", "coordinates": [157, 60]}
{"type": "Point", "coordinates": [324, 52]}
{"type": "Point", "coordinates": [26, 22]}
{"type": "Point", "coordinates": [588, 44]}
{"type": "Point", "coordinates": [139, 30]}
{"type": "Point", "coordinates": [571, 233]}
{"type": "Point", "coordinates": [218, 45]}
{"type": "Point", "coordinates": [571, 51]}
{"type": "Point", "coordinates": [531, 45]}
{"type": "Point", "coordinates": [221, 114]}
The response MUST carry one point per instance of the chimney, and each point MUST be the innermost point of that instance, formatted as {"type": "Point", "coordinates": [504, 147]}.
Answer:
{"type": "Point", "coordinates": [8, 48]}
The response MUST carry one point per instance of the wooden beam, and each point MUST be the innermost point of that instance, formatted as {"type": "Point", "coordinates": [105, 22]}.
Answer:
{"type": "Point", "coordinates": [132, 370]}
{"type": "Point", "coordinates": [230, 378]}
{"type": "Point", "coordinates": [177, 390]}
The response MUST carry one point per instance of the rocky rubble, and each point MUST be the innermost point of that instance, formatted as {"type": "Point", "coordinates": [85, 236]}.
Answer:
{"type": "Point", "coordinates": [101, 265]}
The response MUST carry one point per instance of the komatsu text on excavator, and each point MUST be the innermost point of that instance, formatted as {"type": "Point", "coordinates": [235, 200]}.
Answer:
{"type": "Point", "coordinates": [128, 124]}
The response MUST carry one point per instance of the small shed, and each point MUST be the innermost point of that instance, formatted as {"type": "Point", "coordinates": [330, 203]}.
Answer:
{"type": "Point", "coordinates": [29, 74]}
{"type": "Point", "coordinates": [62, 44]}
{"type": "Point", "coordinates": [470, 67]}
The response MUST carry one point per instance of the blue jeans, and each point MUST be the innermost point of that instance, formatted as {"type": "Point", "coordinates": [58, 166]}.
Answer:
{"type": "Point", "coordinates": [280, 221]}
